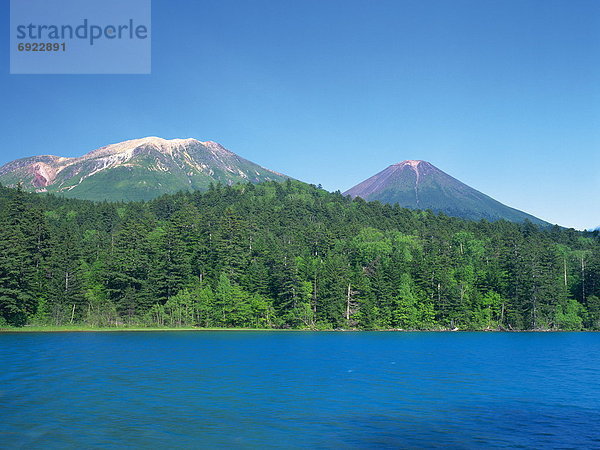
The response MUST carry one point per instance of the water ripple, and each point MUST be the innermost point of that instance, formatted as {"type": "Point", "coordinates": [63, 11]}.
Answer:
{"type": "Point", "coordinates": [322, 390]}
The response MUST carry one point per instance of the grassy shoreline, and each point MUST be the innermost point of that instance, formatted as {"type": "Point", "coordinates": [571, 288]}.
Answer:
{"type": "Point", "coordinates": [84, 329]}
{"type": "Point", "coordinates": [88, 329]}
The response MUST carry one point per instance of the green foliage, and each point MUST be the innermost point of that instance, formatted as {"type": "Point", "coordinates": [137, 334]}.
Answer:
{"type": "Point", "coordinates": [286, 255]}
{"type": "Point", "coordinates": [593, 312]}
{"type": "Point", "coordinates": [569, 315]}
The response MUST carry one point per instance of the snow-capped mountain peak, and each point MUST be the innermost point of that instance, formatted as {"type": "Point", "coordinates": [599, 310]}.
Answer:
{"type": "Point", "coordinates": [136, 169]}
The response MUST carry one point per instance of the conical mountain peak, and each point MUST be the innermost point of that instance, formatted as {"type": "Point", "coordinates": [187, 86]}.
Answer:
{"type": "Point", "coordinates": [418, 184]}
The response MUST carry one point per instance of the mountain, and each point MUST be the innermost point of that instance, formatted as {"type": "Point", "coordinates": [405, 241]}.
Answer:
{"type": "Point", "coordinates": [421, 185]}
{"type": "Point", "coordinates": [139, 169]}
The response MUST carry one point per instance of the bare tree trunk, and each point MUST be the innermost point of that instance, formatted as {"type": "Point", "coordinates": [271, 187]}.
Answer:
{"type": "Point", "coordinates": [348, 298]}
{"type": "Point", "coordinates": [534, 312]}
{"type": "Point", "coordinates": [582, 278]}
{"type": "Point", "coordinates": [315, 295]}
{"type": "Point", "coordinates": [314, 301]}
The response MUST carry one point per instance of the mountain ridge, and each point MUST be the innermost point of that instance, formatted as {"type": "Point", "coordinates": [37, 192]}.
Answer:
{"type": "Point", "coordinates": [145, 168]}
{"type": "Point", "coordinates": [136, 169]}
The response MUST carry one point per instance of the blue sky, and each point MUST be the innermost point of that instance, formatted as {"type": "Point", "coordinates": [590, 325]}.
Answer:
{"type": "Point", "coordinates": [503, 95]}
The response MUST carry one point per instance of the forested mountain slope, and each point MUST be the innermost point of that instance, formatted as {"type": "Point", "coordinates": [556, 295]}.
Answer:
{"type": "Point", "coordinates": [286, 255]}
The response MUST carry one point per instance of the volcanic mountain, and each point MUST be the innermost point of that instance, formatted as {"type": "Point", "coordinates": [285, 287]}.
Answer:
{"type": "Point", "coordinates": [139, 169]}
{"type": "Point", "coordinates": [421, 185]}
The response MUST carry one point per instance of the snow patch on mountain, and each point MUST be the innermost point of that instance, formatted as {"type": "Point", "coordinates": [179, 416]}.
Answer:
{"type": "Point", "coordinates": [409, 162]}
{"type": "Point", "coordinates": [166, 146]}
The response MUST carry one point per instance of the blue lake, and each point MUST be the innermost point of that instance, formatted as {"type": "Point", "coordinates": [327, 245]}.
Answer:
{"type": "Point", "coordinates": [299, 389]}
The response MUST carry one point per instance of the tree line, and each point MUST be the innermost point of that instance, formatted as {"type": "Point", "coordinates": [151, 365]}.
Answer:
{"type": "Point", "coordinates": [286, 255]}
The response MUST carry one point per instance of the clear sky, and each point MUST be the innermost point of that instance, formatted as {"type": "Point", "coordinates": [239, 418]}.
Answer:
{"type": "Point", "coordinates": [503, 95]}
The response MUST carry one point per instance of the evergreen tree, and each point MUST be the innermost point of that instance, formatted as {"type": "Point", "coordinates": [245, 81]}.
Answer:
{"type": "Point", "coordinates": [286, 255]}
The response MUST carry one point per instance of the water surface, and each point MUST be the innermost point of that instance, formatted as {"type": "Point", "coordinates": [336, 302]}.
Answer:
{"type": "Point", "coordinates": [299, 389]}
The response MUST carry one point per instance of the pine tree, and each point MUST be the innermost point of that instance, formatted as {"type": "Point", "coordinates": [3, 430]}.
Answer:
{"type": "Point", "coordinates": [22, 251]}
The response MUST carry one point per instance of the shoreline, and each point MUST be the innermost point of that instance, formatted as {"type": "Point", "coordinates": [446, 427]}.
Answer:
{"type": "Point", "coordinates": [76, 329]}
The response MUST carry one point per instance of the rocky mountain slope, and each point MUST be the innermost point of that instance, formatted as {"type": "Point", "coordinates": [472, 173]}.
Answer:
{"type": "Point", "coordinates": [139, 169]}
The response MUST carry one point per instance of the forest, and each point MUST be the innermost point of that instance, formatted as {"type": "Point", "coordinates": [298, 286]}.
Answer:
{"type": "Point", "coordinates": [286, 255]}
